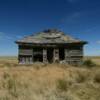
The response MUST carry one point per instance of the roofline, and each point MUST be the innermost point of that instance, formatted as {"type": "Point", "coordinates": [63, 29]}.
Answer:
{"type": "Point", "coordinates": [80, 42]}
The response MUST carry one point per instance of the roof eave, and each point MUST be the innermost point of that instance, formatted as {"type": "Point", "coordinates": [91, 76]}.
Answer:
{"type": "Point", "coordinates": [80, 42]}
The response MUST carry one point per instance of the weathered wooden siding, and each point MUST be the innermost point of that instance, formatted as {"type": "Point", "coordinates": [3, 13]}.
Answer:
{"type": "Point", "coordinates": [25, 52]}
{"type": "Point", "coordinates": [45, 55]}
{"type": "Point", "coordinates": [76, 53]}
{"type": "Point", "coordinates": [72, 54]}
{"type": "Point", "coordinates": [56, 55]}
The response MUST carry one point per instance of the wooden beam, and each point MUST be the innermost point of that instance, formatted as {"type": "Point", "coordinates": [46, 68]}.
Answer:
{"type": "Point", "coordinates": [56, 55]}
{"type": "Point", "coordinates": [45, 56]}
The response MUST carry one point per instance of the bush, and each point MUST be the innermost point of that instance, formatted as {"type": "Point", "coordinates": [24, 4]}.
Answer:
{"type": "Point", "coordinates": [62, 85]}
{"type": "Point", "coordinates": [6, 75]}
{"type": "Point", "coordinates": [89, 63]}
{"type": "Point", "coordinates": [7, 64]}
{"type": "Point", "coordinates": [97, 78]}
{"type": "Point", "coordinates": [10, 83]}
{"type": "Point", "coordinates": [80, 78]}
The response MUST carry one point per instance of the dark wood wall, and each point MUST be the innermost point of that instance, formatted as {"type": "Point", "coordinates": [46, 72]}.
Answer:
{"type": "Point", "coordinates": [73, 52]}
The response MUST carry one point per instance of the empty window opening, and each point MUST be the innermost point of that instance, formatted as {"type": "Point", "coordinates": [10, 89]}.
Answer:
{"type": "Point", "coordinates": [37, 55]}
{"type": "Point", "coordinates": [25, 59]}
{"type": "Point", "coordinates": [50, 55]}
{"type": "Point", "coordinates": [61, 54]}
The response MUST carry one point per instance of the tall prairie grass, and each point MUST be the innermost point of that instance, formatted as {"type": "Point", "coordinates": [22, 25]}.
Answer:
{"type": "Point", "coordinates": [48, 82]}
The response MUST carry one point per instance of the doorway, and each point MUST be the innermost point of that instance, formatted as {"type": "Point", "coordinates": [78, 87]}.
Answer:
{"type": "Point", "coordinates": [61, 54]}
{"type": "Point", "coordinates": [37, 55]}
{"type": "Point", "coordinates": [50, 55]}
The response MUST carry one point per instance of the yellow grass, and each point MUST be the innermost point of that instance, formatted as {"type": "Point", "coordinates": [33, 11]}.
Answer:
{"type": "Point", "coordinates": [95, 59]}
{"type": "Point", "coordinates": [40, 81]}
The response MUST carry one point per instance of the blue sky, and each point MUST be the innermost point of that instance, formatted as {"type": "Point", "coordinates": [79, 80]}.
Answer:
{"type": "Point", "coordinates": [78, 18]}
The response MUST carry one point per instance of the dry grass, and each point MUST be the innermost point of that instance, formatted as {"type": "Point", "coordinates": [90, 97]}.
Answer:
{"type": "Point", "coordinates": [95, 59]}
{"type": "Point", "coordinates": [47, 82]}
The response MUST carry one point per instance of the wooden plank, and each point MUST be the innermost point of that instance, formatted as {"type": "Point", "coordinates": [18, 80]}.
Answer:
{"type": "Point", "coordinates": [56, 55]}
{"type": "Point", "coordinates": [25, 52]}
{"type": "Point", "coordinates": [75, 53]}
{"type": "Point", "coordinates": [45, 56]}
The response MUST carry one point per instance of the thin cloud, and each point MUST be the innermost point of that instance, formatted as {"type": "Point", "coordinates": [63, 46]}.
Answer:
{"type": "Point", "coordinates": [98, 42]}
{"type": "Point", "coordinates": [5, 36]}
{"type": "Point", "coordinates": [71, 18]}
{"type": "Point", "coordinates": [19, 37]}
{"type": "Point", "coordinates": [1, 35]}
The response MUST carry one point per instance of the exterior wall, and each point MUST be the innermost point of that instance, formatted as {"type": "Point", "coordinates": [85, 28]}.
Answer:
{"type": "Point", "coordinates": [37, 55]}
{"type": "Point", "coordinates": [56, 55]}
{"type": "Point", "coordinates": [25, 51]}
{"type": "Point", "coordinates": [73, 54]}
{"type": "Point", "coordinates": [25, 55]}
{"type": "Point", "coordinates": [45, 56]}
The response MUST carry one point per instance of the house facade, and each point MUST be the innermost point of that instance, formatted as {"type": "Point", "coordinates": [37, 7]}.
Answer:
{"type": "Point", "coordinates": [50, 46]}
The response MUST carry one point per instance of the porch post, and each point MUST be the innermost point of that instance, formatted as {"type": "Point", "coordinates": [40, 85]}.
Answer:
{"type": "Point", "coordinates": [44, 55]}
{"type": "Point", "coordinates": [67, 58]}
{"type": "Point", "coordinates": [33, 56]}
{"type": "Point", "coordinates": [56, 55]}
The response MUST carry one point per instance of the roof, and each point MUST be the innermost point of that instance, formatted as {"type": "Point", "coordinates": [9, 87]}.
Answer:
{"type": "Point", "coordinates": [49, 36]}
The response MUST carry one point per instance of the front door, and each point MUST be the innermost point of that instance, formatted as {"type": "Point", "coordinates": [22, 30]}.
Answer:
{"type": "Point", "coordinates": [37, 55]}
{"type": "Point", "coordinates": [50, 55]}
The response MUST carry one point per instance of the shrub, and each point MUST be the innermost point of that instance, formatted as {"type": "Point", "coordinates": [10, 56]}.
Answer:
{"type": "Point", "coordinates": [89, 63]}
{"type": "Point", "coordinates": [12, 87]}
{"type": "Point", "coordinates": [10, 83]}
{"type": "Point", "coordinates": [7, 64]}
{"type": "Point", "coordinates": [62, 85]}
{"type": "Point", "coordinates": [97, 78]}
{"type": "Point", "coordinates": [6, 75]}
{"type": "Point", "coordinates": [81, 78]}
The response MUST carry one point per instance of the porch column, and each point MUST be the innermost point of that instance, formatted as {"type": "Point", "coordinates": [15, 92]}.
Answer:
{"type": "Point", "coordinates": [44, 55]}
{"type": "Point", "coordinates": [56, 55]}
{"type": "Point", "coordinates": [33, 56]}
{"type": "Point", "coordinates": [67, 58]}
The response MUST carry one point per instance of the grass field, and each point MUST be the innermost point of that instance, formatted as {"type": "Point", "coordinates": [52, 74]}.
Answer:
{"type": "Point", "coordinates": [95, 59]}
{"type": "Point", "coordinates": [48, 82]}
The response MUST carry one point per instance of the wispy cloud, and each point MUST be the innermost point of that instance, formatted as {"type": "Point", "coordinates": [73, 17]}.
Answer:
{"type": "Point", "coordinates": [19, 36]}
{"type": "Point", "coordinates": [71, 18]}
{"type": "Point", "coordinates": [7, 37]}
{"type": "Point", "coordinates": [98, 41]}
{"type": "Point", "coordinates": [1, 35]}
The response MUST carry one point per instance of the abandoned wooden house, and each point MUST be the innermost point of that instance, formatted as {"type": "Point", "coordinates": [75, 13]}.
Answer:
{"type": "Point", "coordinates": [50, 46]}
